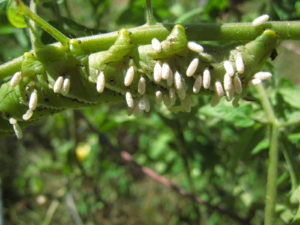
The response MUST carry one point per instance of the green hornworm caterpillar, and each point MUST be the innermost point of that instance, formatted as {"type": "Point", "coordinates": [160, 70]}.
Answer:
{"type": "Point", "coordinates": [56, 77]}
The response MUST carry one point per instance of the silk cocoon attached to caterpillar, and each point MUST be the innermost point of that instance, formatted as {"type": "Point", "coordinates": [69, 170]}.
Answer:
{"type": "Point", "coordinates": [57, 77]}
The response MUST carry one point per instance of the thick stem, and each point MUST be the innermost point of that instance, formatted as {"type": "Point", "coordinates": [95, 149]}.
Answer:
{"type": "Point", "coordinates": [271, 189]}
{"type": "Point", "coordinates": [144, 35]}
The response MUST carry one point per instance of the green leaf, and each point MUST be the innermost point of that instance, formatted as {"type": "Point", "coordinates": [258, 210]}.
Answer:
{"type": "Point", "coordinates": [14, 16]}
{"type": "Point", "coordinates": [241, 117]}
{"type": "Point", "coordinates": [294, 118]}
{"type": "Point", "coordinates": [291, 96]}
{"type": "Point", "coordinates": [3, 1]}
{"type": "Point", "coordinates": [295, 196]}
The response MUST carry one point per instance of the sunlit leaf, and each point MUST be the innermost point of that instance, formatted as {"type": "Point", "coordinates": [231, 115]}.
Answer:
{"type": "Point", "coordinates": [14, 16]}
{"type": "Point", "coordinates": [291, 96]}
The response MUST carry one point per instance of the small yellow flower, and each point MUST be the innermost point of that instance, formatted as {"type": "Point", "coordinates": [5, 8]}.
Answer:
{"type": "Point", "coordinates": [82, 151]}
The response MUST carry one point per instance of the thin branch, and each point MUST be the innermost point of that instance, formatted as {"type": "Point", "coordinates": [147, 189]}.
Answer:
{"type": "Point", "coordinates": [33, 33]}
{"type": "Point", "coordinates": [182, 147]}
{"type": "Point", "coordinates": [73, 210]}
{"type": "Point", "coordinates": [149, 13]}
{"type": "Point", "coordinates": [292, 163]}
{"type": "Point", "coordinates": [160, 179]}
{"type": "Point", "coordinates": [42, 23]}
{"type": "Point", "coordinates": [271, 188]}
{"type": "Point", "coordinates": [50, 212]}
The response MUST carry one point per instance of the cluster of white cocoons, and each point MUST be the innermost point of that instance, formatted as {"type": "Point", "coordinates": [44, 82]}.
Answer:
{"type": "Point", "coordinates": [172, 83]}
{"type": "Point", "coordinates": [32, 104]}
{"type": "Point", "coordinates": [175, 81]}
{"type": "Point", "coordinates": [259, 77]}
{"type": "Point", "coordinates": [62, 85]}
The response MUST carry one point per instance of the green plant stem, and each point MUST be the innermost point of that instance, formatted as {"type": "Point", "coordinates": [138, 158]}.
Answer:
{"type": "Point", "coordinates": [291, 162]}
{"type": "Point", "coordinates": [35, 43]}
{"type": "Point", "coordinates": [144, 34]}
{"type": "Point", "coordinates": [42, 23]}
{"type": "Point", "coordinates": [271, 189]}
{"type": "Point", "coordinates": [149, 13]}
{"type": "Point", "coordinates": [272, 177]}
{"type": "Point", "coordinates": [50, 212]}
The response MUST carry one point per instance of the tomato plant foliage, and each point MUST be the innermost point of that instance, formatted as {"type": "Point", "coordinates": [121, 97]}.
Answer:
{"type": "Point", "coordinates": [217, 153]}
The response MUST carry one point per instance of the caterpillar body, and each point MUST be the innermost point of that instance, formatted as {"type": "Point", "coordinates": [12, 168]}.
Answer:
{"type": "Point", "coordinates": [66, 77]}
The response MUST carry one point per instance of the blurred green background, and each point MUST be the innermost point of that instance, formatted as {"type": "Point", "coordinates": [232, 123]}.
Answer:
{"type": "Point", "coordinates": [60, 173]}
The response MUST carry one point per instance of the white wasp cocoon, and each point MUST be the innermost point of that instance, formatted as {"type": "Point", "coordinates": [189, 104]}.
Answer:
{"type": "Point", "coordinates": [178, 81]}
{"type": "Point", "coordinates": [142, 85]}
{"type": "Point", "coordinates": [262, 75]}
{"type": "Point", "coordinates": [16, 78]}
{"type": "Point", "coordinates": [227, 82]}
{"type": "Point", "coordinates": [158, 95]}
{"type": "Point", "coordinates": [165, 71]}
{"type": "Point", "coordinates": [129, 99]}
{"type": "Point", "coordinates": [260, 20]}
{"type": "Point", "coordinates": [33, 100]}
{"type": "Point", "coordinates": [129, 76]}
{"type": "Point", "coordinates": [100, 83]}
{"type": "Point", "coordinates": [12, 121]}
{"type": "Point", "coordinates": [219, 88]}
{"type": "Point", "coordinates": [58, 84]}
{"type": "Point", "coordinates": [239, 63]}
{"type": "Point", "coordinates": [157, 72]}
{"type": "Point", "coordinates": [237, 84]}
{"type": "Point", "coordinates": [27, 115]}
{"type": "Point", "coordinates": [192, 67]}
{"type": "Point", "coordinates": [195, 47]}
{"type": "Point", "coordinates": [170, 80]}
{"type": "Point", "coordinates": [228, 68]}
{"type": "Point", "coordinates": [16, 127]}
{"type": "Point", "coordinates": [206, 78]}
{"type": "Point", "coordinates": [255, 81]}
{"type": "Point", "coordinates": [66, 86]}
{"type": "Point", "coordinates": [18, 131]}
{"type": "Point", "coordinates": [197, 84]}
{"type": "Point", "coordinates": [156, 45]}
